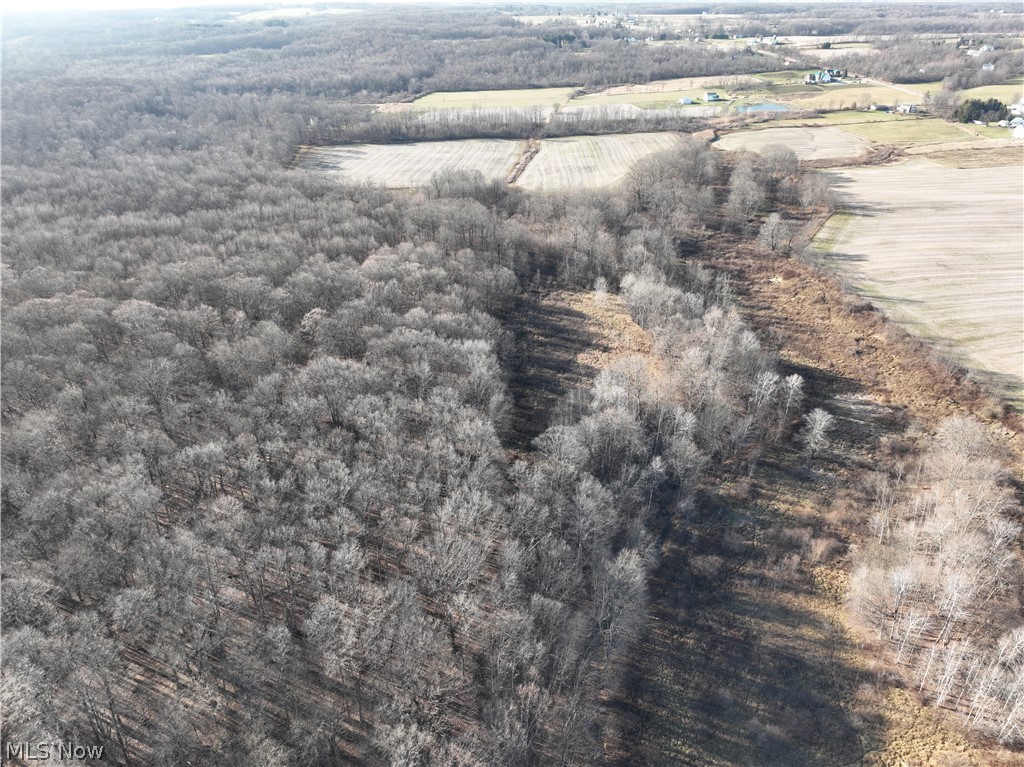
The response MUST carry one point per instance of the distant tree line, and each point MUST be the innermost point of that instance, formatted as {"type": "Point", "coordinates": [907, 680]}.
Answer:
{"type": "Point", "coordinates": [913, 60]}
{"type": "Point", "coordinates": [869, 19]}
{"type": "Point", "coordinates": [504, 123]}
{"type": "Point", "coordinates": [367, 56]}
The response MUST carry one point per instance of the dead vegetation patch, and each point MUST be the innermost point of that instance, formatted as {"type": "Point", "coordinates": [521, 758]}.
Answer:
{"type": "Point", "coordinates": [618, 334]}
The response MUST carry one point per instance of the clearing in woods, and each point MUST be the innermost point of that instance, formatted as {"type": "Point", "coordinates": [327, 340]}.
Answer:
{"type": "Point", "coordinates": [565, 338]}
{"type": "Point", "coordinates": [579, 162]}
{"type": "Point", "coordinates": [412, 165]}
{"type": "Point", "coordinates": [590, 162]}
{"type": "Point", "coordinates": [824, 143]}
{"type": "Point", "coordinates": [524, 97]}
{"type": "Point", "coordinates": [939, 249]}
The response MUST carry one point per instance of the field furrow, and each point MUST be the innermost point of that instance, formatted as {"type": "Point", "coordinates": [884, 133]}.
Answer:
{"type": "Point", "coordinates": [940, 248]}
{"type": "Point", "coordinates": [590, 162]}
{"type": "Point", "coordinates": [813, 143]}
{"type": "Point", "coordinates": [412, 165]}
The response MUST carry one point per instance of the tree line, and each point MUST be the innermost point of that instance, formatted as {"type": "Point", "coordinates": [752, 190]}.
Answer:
{"type": "Point", "coordinates": [502, 123]}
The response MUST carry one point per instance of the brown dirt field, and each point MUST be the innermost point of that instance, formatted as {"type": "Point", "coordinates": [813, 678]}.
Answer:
{"type": "Point", "coordinates": [939, 249]}
{"type": "Point", "coordinates": [412, 164]}
{"type": "Point", "coordinates": [816, 143]}
{"type": "Point", "coordinates": [590, 162]}
{"type": "Point", "coordinates": [971, 154]}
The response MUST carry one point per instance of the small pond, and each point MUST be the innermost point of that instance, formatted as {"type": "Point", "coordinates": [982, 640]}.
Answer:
{"type": "Point", "coordinates": [763, 108]}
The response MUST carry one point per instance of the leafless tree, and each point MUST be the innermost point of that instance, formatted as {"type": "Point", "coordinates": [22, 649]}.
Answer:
{"type": "Point", "coordinates": [775, 235]}
{"type": "Point", "coordinates": [817, 425]}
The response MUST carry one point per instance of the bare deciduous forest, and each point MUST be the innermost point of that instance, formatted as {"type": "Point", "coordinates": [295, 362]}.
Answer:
{"type": "Point", "coordinates": [307, 472]}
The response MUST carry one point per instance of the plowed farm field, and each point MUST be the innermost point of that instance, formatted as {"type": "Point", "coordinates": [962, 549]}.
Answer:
{"type": "Point", "coordinates": [813, 143]}
{"type": "Point", "coordinates": [940, 249]}
{"type": "Point", "coordinates": [524, 97]}
{"type": "Point", "coordinates": [590, 162]}
{"type": "Point", "coordinates": [412, 165]}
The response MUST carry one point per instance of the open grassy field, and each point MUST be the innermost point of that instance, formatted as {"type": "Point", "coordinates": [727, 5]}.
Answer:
{"type": "Point", "coordinates": [977, 154]}
{"type": "Point", "coordinates": [897, 129]}
{"type": "Point", "coordinates": [808, 143]}
{"type": "Point", "coordinates": [826, 55]}
{"type": "Point", "coordinates": [663, 93]}
{"type": "Point", "coordinates": [524, 97]}
{"type": "Point", "coordinates": [699, 84]}
{"type": "Point", "coordinates": [589, 162]}
{"type": "Point", "coordinates": [648, 100]}
{"type": "Point", "coordinates": [841, 96]}
{"type": "Point", "coordinates": [912, 130]}
{"type": "Point", "coordinates": [1009, 92]}
{"type": "Point", "coordinates": [990, 131]}
{"type": "Point", "coordinates": [782, 76]}
{"type": "Point", "coordinates": [784, 85]}
{"type": "Point", "coordinates": [626, 111]}
{"type": "Point", "coordinates": [939, 249]}
{"type": "Point", "coordinates": [412, 165]}
{"type": "Point", "coordinates": [845, 117]}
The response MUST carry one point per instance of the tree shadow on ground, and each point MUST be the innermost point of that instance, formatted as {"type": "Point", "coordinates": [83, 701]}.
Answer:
{"type": "Point", "coordinates": [549, 337]}
{"type": "Point", "coordinates": [748, 660]}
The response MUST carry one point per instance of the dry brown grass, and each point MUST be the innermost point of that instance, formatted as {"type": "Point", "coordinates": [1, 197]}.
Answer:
{"type": "Point", "coordinates": [618, 335]}
{"type": "Point", "coordinates": [874, 377]}
{"type": "Point", "coordinates": [566, 337]}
